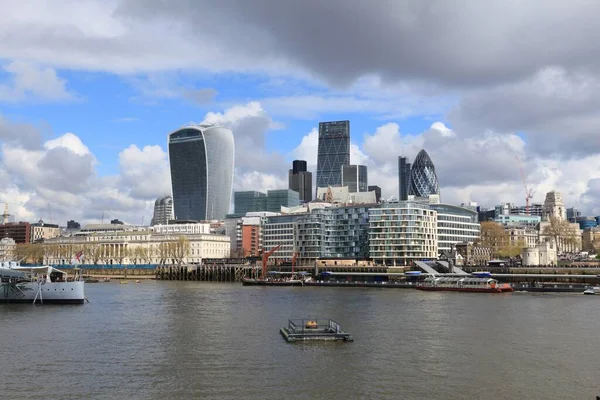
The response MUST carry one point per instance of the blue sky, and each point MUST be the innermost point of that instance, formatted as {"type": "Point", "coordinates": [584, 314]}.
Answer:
{"type": "Point", "coordinates": [121, 74]}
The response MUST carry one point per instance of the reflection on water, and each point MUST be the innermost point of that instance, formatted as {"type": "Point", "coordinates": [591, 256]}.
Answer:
{"type": "Point", "coordinates": [158, 340]}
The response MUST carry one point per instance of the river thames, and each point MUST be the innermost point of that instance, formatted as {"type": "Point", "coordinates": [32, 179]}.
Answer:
{"type": "Point", "coordinates": [179, 340]}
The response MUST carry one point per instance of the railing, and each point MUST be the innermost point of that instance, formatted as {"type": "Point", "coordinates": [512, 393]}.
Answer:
{"type": "Point", "coordinates": [304, 325]}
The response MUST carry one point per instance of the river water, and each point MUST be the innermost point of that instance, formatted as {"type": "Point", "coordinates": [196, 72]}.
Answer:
{"type": "Point", "coordinates": [178, 340]}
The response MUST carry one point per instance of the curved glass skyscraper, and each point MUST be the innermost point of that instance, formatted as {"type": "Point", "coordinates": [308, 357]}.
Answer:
{"type": "Point", "coordinates": [423, 179]}
{"type": "Point", "coordinates": [201, 158]}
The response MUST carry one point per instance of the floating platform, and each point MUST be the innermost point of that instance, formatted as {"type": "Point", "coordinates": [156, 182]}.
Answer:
{"type": "Point", "coordinates": [263, 282]}
{"type": "Point", "coordinates": [314, 329]}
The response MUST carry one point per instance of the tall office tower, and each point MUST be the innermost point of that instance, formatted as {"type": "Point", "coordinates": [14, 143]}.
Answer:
{"type": "Point", "coordinates": [355, 177]}
{"type": "Point", "coordinates": [403, 178]}
{"type": "Point", "coordinates": [423, 179]}
{"type": "Point", "coordinates": [333, 152]}
{"type": "Point", "coordinates": [377, 190]}
{"type": "Point", "coordinates": [163, 211]}
{"type": "Point", "coordinates": [202, 160]}
{"type": "Point", "coordinates": [300, 180]}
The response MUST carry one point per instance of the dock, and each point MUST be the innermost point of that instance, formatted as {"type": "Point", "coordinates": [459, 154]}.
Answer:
{"type": "Point", "coordinates": [314, 329]}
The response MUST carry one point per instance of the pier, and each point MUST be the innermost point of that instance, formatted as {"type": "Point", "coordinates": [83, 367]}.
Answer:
{"type": "Point", "coordinates": [206, 273]}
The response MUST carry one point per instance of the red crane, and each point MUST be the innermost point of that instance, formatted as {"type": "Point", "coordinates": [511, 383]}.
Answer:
{"type": "Point", "coordinates": [528, 192]}
{"type": "Point", "coordinates": [294, 261]}
{"type": "Point", "coordinates": [265, 258]}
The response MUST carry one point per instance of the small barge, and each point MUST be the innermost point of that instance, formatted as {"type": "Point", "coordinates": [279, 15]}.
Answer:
{"type": "Point", "coordinates": [313, 329]}
{"type": "Point", "coordinates": [475, 285]}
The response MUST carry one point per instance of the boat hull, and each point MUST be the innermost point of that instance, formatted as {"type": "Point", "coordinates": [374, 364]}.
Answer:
{"type": "Point", "coordinates": [463, 290]}
{"type": "Point", "coordinates": [51, 292]}
{"type": "Point", "coordinates": [258, 282]}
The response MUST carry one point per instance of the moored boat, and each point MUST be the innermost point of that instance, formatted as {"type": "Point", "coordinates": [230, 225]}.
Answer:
{"type": "Point", "coordinates": [467, 284]}
{"type": "Point", "coordinates": [592, 290]}
{"type": "Point", "coordinates": [42, 284]}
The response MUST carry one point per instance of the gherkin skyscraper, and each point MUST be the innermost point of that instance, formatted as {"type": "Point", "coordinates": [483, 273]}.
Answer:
{"type": "Point", "coordinates": [423, 179]}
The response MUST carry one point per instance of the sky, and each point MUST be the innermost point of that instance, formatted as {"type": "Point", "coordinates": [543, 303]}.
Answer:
{"type": "Point", "coordinates": [90, 89]}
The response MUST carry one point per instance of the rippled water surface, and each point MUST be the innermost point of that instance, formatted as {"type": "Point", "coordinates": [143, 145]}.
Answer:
{"type": "Point", "coordinates": [177, 340]}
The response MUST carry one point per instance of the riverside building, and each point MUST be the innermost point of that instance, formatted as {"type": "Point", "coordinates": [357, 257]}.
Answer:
{"type": "Point", "coordinates": [129, 247]}
{"type": "Point", "coordinates": [402, 232]}
{"type": "Point", "coordinates": [455, 224]}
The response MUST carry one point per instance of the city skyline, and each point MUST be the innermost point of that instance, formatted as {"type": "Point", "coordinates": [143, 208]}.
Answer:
{"type": "Point", "coordinates": [83, 120]}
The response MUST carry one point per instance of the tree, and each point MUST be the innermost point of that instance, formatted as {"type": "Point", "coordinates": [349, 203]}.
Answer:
{"type": "Point", "coordinates": [164, 251]}
{"type": "Point", "coordinates": [30, 253]}
{"type": "Point", "coordinates": [145, 254]}
{"type": "Point", "coordinates": [493, 236]}
{"type": "Point", "coordinates": [181, 248]}
{"type": "Point", "coordinates": [512, 249]}
{"type": "Point", "coordinates": [92, 251]}
{"type": "Point", "coordinates": [562, 232]}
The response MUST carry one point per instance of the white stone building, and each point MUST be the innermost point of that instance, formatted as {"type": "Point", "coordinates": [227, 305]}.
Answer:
{"type": "Point", "coordinates": [543, 253]}
{"type": "Point", "coordinates": [8, 248]}
{"type": "Point", "coordinates": [181, 229]}
{"type": "Point", "coordinates": [135, 247]}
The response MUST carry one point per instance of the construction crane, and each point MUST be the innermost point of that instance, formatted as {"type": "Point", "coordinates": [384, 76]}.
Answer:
{"type": "Point", "coordinates": [265, 258]}
{"type": "Point", "coordinates": [294, 261]}
{"type": "Point", "coordinates": [528, 191]}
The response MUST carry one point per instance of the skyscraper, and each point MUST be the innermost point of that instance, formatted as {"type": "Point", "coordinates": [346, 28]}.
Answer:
{"type": "Point", "coordinates": [377, 190]}
{"type": "Point", "coordinates": [300, 180]}
{"type": "Point", "coordinates": [202, 160]}
{"type": "Point", "coordinates": [163, 211]}
{"type": "Point", "coordinates": [355, 177]}
{"type": "Point", "coordinates": [403, 178]}
{"type": "Point", "coordinates": [423, 179]}
{"type": "Point", "coordinates": [333, 152]}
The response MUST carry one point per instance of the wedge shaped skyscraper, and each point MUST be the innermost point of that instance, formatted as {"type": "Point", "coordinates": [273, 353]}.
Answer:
{"type": "Point", "coordinates": [202, 161]}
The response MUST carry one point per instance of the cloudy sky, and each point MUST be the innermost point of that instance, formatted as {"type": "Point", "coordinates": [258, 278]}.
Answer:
{"type": "Point", "coordinates": [89, 90]}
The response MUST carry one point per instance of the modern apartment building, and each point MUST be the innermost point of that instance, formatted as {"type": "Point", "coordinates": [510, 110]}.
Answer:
{"type": "Point", "coordinates": [402, 232]}
{"type": "Point", "coordinates": [280, 230]}
{"type": "Point", "coordinates": [333, 232]}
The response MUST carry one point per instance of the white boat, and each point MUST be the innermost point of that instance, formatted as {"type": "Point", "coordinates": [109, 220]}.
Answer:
{"type": "Point", "coordinates": [592, 290]}
{"type": "Point", "coordinates": [43, 284]}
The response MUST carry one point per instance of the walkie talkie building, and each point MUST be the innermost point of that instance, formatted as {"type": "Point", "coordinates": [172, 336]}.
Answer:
{"type": "Point", "coordinates": [202, 162]}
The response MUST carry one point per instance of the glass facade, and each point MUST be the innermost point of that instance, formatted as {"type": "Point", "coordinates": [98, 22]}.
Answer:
{"type": "Point", "coordinates": [202, 160]}
{"type": "Point", "coordinates": [341, 232]}
{"type": "Point", "coordinates": [355, 177]}
{"type": "Point", "coordinates": [300, 180]}
{"type": "Point", "coordinates": [283, 197]}
{"type": "Point", "coordinates": [423, 179]}
{"type": "Point", "coordinates": [403, 178]}
{"type": "Point", "coordinates": [333, 152]}
{"type": "Point", "coordinates": [249, 201]}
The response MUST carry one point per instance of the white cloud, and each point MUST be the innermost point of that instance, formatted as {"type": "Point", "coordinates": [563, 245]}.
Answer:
{"type": "Point", "coordinates": [29, 81]}
{"type": "Point", "coordinates": [68, 141]}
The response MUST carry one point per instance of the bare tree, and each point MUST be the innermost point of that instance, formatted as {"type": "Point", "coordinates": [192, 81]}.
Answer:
{"type": "Point", "coordinates": [181, 248]}
{"type": "Point", "coordinates": [92, 252]}
{"type": "Point", "coordinates": [562, 232]}
{"type": "Point", "coordinates": [164, 251]}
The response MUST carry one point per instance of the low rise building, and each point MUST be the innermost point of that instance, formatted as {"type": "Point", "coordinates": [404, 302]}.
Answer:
{"type": "Point", "coordinates": [135, 247]}
{"type": "Point", "coordinates": [181, 229]}
{"type": "Point", "coordinates": [590, 240]}
{"type": "Point", "coordinates": [522, 236]}
{"type": "Point", "coordinates": [544, 253]}
{"type": "Point", "coordinates": [8, 248]}
{"type": "Point", "coordinates": [20, 232]}
{"type": "Point", "coordinates": [41, 231]}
